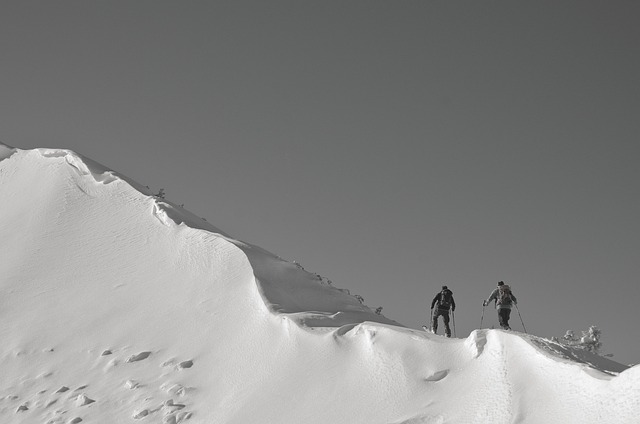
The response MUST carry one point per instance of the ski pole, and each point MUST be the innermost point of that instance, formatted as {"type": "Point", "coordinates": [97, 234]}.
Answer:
{"type": "Point", "coordinates": [482, 319]}
{"type": "Point", "coordinates": [518, 309]}
{"type": "Point", "coordinates": [431, 321]}
{"type": "Point", "coordinates": [453, 314]}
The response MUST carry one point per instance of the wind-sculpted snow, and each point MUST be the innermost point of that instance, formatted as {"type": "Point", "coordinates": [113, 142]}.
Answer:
{"type": "Point", "coordinates": [6, 151]}
{"type": "Point", "coordinates": [573, 355]}
{"type": "Point", "coordinates": [118, 306]}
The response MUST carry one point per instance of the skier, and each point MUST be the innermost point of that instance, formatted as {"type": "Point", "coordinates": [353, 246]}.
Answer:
{"type": "Point", "coordinates": [504, 299]}
{"type": "Point", "coordinates": [445, 302]}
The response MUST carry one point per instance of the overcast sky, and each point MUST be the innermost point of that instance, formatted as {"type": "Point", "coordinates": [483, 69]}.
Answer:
{"type": "Point", "coordinates": [388, 146]}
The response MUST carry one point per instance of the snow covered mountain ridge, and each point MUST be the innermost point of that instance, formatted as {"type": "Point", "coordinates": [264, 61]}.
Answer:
{"type": "Point", "coordinates": [119, 306]}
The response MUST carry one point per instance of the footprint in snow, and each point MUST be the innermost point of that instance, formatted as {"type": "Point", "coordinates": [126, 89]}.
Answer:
{"type": "Point", "coordinates": [132, 384]}
{"type": "Point", "coordinates": [83, 400]}
{"type": "Point", "coordinates": [140, 414]}
{"type": "Point", "coordinates": [185, 364]}
{"type": "Point", "coordinates": [139, 357]}
{"type": "Point", "coordinates": [437, 376]}
{"type": "Point", "coordinates": [176, 389]}
{"type": "Point", "coordinates": [170, 406]}
{"type": "Point", "coordinates": [182, 365]}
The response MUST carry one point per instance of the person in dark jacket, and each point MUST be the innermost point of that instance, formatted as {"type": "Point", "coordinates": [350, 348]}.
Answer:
{"type": "Point", "coordinates": [504, 299]}
{"type": "Point", "coordinates": [445, 301]}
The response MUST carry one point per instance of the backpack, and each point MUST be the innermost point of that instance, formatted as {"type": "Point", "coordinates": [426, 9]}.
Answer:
{"type": "Point", "coordinates": [446, 297]}
{"type": "Point", "coordinates": [504, 295]}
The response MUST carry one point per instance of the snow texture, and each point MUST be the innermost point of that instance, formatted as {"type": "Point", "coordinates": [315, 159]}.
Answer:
{"type": "Point", "coordinates": [119, 306]}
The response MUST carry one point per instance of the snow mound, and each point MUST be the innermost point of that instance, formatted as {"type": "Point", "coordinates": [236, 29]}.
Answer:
{"type": "Point", "coordinates": [119, 306]}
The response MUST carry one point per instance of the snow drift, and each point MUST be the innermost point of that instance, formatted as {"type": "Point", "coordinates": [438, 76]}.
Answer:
{"type": "Point", "coordinates": [118, 306]}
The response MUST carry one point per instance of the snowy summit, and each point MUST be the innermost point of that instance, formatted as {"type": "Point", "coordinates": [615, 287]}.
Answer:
{"type": "Point", "coordinates": [117, 306]}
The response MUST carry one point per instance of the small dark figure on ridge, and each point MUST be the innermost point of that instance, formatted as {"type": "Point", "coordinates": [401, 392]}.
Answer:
{"type": "Point", "coordinates": [504, 300]}
{"type": "Point", "coordinates": [445, 301]}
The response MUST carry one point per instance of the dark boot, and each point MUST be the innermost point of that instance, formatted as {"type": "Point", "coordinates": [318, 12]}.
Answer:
{"type": "Point", "coordinates": [447, 329]}
{"type": "Point", "coordinates": [503, 318]}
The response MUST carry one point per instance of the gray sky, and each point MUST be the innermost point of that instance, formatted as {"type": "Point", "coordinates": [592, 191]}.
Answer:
{"type": "Point", "coordinates": [388, 146]}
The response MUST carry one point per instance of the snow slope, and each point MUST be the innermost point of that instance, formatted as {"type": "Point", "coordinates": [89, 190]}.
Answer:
{"type": "Point", "coordinates": [117, 306]}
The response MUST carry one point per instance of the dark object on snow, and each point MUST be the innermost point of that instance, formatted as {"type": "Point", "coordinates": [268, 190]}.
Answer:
{"type": "Point", "coordinates": [445, 302]}
{"type": "Point", "coordinates": [504, 299]}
